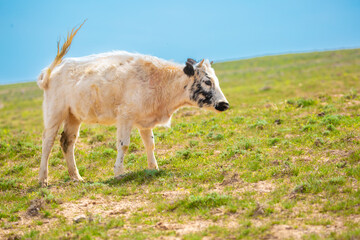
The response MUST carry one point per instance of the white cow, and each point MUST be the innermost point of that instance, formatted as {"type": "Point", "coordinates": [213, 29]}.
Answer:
{"type": "Point", "coordinates": [121, 88]}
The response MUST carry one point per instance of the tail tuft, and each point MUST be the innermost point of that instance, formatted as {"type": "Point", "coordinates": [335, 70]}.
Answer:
{"type": "Point", "coordinates": [44, 76]}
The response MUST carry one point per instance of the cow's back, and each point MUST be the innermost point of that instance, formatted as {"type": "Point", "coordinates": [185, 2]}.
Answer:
{"type": "Point", "coordinates": [101, 88]}
{"type": "Point", "coordinates": [94, 87]}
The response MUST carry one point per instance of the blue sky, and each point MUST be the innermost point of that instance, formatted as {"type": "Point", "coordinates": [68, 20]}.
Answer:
{"type": "Point", "coordinates": [173, 30]}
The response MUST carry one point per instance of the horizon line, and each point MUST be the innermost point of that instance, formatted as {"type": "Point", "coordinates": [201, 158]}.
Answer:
{"type": "Point", "coordinates": [230, 59]}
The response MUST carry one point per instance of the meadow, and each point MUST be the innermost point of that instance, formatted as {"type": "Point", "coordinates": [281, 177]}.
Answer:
{"type": "Point", "coordinates": [282, 163]}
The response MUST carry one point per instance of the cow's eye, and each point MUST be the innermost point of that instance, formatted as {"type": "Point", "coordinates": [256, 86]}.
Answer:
{"type": "Point", "coordinates": [208, 82]}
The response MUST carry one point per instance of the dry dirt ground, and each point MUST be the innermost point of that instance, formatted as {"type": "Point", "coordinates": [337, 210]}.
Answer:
{"type": "Point", "coordinates": [99, 207]}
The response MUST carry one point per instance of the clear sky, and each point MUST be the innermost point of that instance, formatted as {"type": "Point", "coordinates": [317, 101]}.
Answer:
{"type": "Point", "coordinates": [173, 30]}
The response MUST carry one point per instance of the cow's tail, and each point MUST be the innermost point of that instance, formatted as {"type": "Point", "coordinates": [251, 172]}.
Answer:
{"type": "Point", "coordinates": [43, 79]}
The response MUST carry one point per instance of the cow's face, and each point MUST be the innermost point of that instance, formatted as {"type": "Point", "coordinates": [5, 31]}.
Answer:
{"type": "Point", "coordinates": [205, 89]}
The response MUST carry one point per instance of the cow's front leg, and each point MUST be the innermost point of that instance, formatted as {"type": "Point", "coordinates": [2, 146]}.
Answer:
{"type": "Point", "coordinates": [123, 141]}
{"type": "Point", "coordinates": [148, 139]}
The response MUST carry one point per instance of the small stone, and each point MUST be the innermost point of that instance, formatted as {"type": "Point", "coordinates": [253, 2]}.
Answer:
{"type": "Point", "coordinates": [318, 142]}
{"type": "Point", "coordinates": [91, 218]}
{"type": "Point", "coordinates": [79, 218]}
{"type": "Point", "coordinates": [278, 121]}
{"type": "Point", "coordinates": [276, 162]}
{"type": "Point", "coordinates": [259, 210]}
{"type": "Point", "coordinates": [266, 88]}
{"type": "Point", "coordinates": [292, 195]}
{"type": "Point", "coordinates": [161, 226]}
{"type": "Point", "coordinates": [35, 206]}
{"type": "Point", "coordinates": [14, 237]}
{"type": "Point", "coordinates": [268, 105]}
{"type": "Point", "coordinates": [299, 189]}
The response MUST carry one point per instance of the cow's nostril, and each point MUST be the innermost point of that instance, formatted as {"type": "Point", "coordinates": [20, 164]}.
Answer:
{"type": "Point", "coordinates": [222, 106]}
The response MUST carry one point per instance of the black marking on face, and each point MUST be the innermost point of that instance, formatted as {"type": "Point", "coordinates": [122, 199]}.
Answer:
{"type": "Point", "coordinates": [121, 143]}
{"type": "Point", "coordinates": [64, 142]}
{"type": "Point", "coordinates": [201, 95]}
{"type": "Point", "coordinates": [185, 86]}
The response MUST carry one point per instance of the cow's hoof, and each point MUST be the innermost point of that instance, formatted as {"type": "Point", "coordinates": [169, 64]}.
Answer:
{"type": "Point", "coordinates": [43, 183]}
{"type": "Point", "coordinates": [77, 179]}
{"type": "Point", "coordinates": [119, 172]}
{"type": "Point", "coordinates": [153, 167]}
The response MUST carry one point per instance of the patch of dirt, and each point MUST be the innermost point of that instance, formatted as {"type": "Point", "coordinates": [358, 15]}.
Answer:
{"type": "Point", "coordinates": [182, 229]}
{"type": "Point", "coordinates": [295, 227]}
{"type": "Point", "coordinates": [174, 195]}
{"type": "Point", "coordinates": [241, 186]}
{"type": "Point", "coordinates": [338, 95]}
{"type": "Point", "coordinates": [216, 152]}
{"type": "Point", "coordinates": [302, 158]}
{"type": "Point", "coordinates": [102, 207]}
{"type": "Point", "coordinates": [261, 187]}
{"type": "Point", "coordinates": [339, 153]}
{"type": "Point", "coordinates": [352, 103]}
{"type": "Point", "coordinates": [313, 222]}
{"type": "Point", "coordinates": [289, 232]}
{"type": "Point", "coordinates": [231, 222]}
{"type": "Point", "coordinates": [169, 238]}
{"type": "Point", "coordinates": [335, 155]}
{"type": "Point", "coordinates": [71, 211]}
{"type": "Point", "coordinates": [228, 180]}
{"type": "Point", "coordinates": [286, 232]}
{"type": "Point", "coordinates": [288, 136]}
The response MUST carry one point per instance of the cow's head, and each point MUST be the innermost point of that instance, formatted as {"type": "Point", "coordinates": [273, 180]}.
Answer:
{"type": "Point", "coordinates": [204, 88]}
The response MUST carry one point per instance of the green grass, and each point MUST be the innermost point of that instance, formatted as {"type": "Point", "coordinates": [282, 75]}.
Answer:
{"type": "Point", "coordinates": [286, 153]}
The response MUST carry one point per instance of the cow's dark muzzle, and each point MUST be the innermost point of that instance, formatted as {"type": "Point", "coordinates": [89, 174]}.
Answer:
{"type": "Point", "coordinates": [222, 106]}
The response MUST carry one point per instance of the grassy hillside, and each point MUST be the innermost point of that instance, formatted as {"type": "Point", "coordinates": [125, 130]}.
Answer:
{"type": "Point", "coordinates": [283, 162]}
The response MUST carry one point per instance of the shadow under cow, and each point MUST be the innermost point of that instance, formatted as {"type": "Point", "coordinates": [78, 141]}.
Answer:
{"type": "Point", "coordinates": [138, 177]}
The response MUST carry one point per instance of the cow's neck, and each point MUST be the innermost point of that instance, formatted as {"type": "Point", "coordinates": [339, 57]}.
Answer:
{"type": "Point", "coordinates": [178, 94]}
{"type": "Point", "coordinates": [168, 82]}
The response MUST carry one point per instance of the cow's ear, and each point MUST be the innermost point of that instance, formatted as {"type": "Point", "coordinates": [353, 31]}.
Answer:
{"type": "Point", "coordinates": [189, 68]}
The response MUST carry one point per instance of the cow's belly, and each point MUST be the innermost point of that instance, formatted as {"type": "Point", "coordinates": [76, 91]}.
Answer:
{"type": "Point", "coordinates": [90, 109]}
{"type": "Point", "coordinates": [94, 114]}
{"type": "Point", "coordinates": [152, 121]}
{"type": "Point", "coordinates": [95, 103]}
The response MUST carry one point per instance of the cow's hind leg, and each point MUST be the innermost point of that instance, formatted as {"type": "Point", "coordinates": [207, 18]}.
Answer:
{"type": "Point", "coordinates": [52, 124]}
{"type": "Point", "coordinates": [123, 138]}
{"type": "Point", "coordinates": [148, 139]}
{"type": "Point", "coordinates": [67, 142]}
